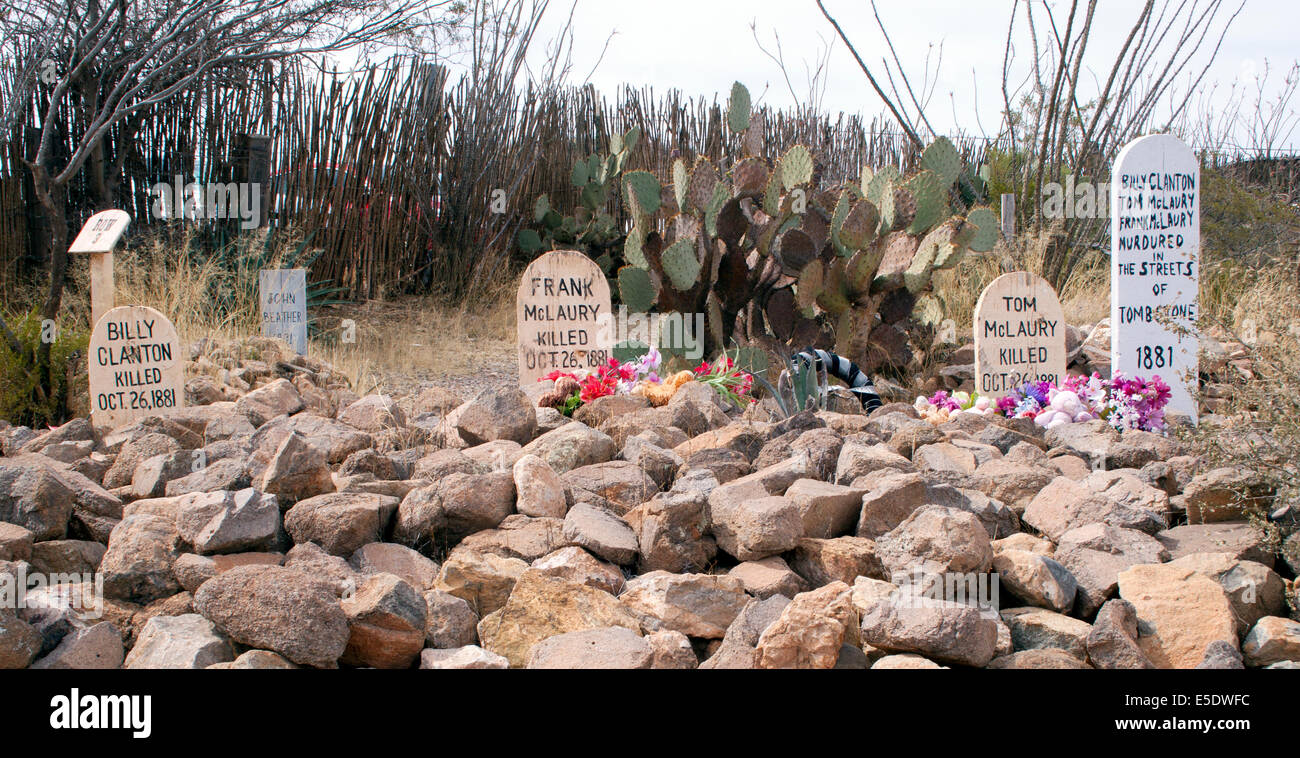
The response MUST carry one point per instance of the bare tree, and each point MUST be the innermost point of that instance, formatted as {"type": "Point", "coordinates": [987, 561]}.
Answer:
{"type": "Point", "coordinates": [95, 66]}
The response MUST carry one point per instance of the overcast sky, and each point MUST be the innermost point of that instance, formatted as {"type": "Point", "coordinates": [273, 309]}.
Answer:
{"type": "Point", "coordinates": [702, 46]}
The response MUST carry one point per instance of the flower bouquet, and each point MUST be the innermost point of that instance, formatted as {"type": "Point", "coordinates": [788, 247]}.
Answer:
{"type": "Point", "coordinates": [641, 377]}
{"type": "Point", "coordinates": [1124, 403]}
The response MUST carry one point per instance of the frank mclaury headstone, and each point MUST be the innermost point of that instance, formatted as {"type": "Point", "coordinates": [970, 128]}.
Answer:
{"type": "Point", "coordinates": [136, 367]}
{"type": "Point", "coordinates": [1019, 334]}
{"type": "Point", "coordinates": [1155, 264]}
{"type": "Point", "coordinates": [563, 309]}
{"type": "Point", "coordinates": [284, 306]}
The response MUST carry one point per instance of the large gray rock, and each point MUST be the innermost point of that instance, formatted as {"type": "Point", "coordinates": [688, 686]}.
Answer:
{"type": "Point", "coordinates": [616, 485]}
{"type": "Point", "coordinates": [1066, 504]}
{"type": "Point", "coordinates": [601, 532]}
{"type": "Point", "coordinates": [937, 629]}
{"type": "Point", "coordinates": [538, 489]}
{"type": "Point", "coordinates": [1036, 579]}
{"type": "Point", "coordinates": [297, 471]}
{"type": "Point", "coordinates": [936, 540]}
{"type": "Point", "coordinates": [138, 563]}
{"type": "Point", "coordinates": [752, 527]}
{"type": "Point", "coordinates": [1112, 642]}
{"type": "Point", "coordinates": [474, 503]}
{"type": "Point", "coordinates": [573, 445]}
{"type": "Point", "coordinates": [399, 560]}
{"type": "Point", "coordinates": [228, 522]}
{"type": "Point", "coordinates": [1096, 554]}
{"type": "Point", "coordinates": [34, 498]}
{"type": "Point", "coordinates": [610, 647]}
{"type": "Point", "coordinates": [96, 647]}
{"type": "Point", "coordinates": [467, 657]}
{"type": "Point", "coordinates": [1034, 628]}
{"type": "Point", "coordinates": [672, 531]}
{"type": "Point", "coordinates": [188, 641]}
{"type": "Point", "coordinates": [827, 510]}
{"type": "Point", "coordinates": [290, 612]}
{"type": "Point", "coordinates": [340, 522]}
{"type": "Point", "coordinates": [19, 642]}
{"type": "Point", "coordinates": [450, 622]}
{"type": "Point", "coordinates": [697, 605]}
{"type": "Point", "coordinates": [497, 413]}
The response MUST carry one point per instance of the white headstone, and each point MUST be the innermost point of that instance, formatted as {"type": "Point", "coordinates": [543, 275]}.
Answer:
{"type": "Point", "coordinates": [1155, 265]}
{"type": "Point", "coordinates": [1019, 334]}
{"type": "Point", "coordinates": [136, 366]}
{"type": "Point", "coordinates": [283, 294]}
{"type": "Point", "coordinates": [563, 312]}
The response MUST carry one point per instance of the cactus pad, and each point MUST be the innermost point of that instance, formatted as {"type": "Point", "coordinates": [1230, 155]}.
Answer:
{"type": "Point", "coordinates": [636, 288]}
{"type": "Point", "coordinates": [796, 167]}
{"type": "Point", "coordinates": [738, 111]}
{"type": "Point", "coordinates": [645, 187]}
{"type": "Point", "coordinates": [681, 264]}
{"type": "Point", "coordinates": [941, 157]}
{"type": "Point", "coordinates": [985, 222]}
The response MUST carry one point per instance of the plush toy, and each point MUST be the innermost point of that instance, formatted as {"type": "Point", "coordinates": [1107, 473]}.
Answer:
{"type": "Point", "coordinates": [660, 394]}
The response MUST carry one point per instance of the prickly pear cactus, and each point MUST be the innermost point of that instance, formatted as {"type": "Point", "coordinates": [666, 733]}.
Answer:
{"type": "Point", "coordinates": [775, 261]}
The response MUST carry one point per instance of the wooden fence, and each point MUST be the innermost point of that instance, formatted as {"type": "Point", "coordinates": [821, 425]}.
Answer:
{"type": "Point", "coordinates": [397, 172]}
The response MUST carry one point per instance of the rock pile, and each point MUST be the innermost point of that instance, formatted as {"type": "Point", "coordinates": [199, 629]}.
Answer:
{"type": "Point", "coordinates": [282, 521]}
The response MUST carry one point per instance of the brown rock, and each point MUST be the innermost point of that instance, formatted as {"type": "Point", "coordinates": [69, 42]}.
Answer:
{"type": "Point", "coordinates": [811, 630]}
{"type": "Point", "coordinates": [386, 618]}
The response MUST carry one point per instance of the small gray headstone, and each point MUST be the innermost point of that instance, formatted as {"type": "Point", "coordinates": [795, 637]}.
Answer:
{"type": "Point", "coordinates": [284, 306]}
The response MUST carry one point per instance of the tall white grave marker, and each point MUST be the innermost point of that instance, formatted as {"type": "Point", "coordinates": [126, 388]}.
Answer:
{"type": "Point", "coordinates": [98, 238]}
{"type": "Point", "coordinates": [136, 366]}
{"type": "Point", "coordinates": [1019, 334]}
{"type": "Point", "coordinates": [563, 312]}
{"type": "Point", "coordinates": [1155, 265]}
{"type": "Point", "coordinates": [283, 294]}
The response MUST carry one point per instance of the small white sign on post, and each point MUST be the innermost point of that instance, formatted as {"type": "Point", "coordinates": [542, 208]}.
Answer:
{"type": "Point", "coordinates": [1019, 334]}
{"type": "Point", "coordinates": [136, 366]}
{"type": "Point", "coordinates": [98, 238]}
{"type": "Point", "coordinates": [283, 295]}
{"type": "Point", "coordinates": [1155, 265]}
{"type": "Point", "coordinates": [563, 316]}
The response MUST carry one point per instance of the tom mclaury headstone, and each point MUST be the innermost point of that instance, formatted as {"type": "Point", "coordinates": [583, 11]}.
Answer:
{"type": "Point", "coordinates": [136, 367]}
{"type": "Point", "coordinates": [1155, 264]}
{"type": "Point", "coordinates": [1019, 334]}
{"type": "Point", "coordinates": [284, 306]}
{"type": "Point", "coordinates": [563, 312]}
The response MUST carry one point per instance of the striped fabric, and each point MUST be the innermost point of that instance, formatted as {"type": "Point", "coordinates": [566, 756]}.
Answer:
{"type": "Point", "coordinates": [846, 371]}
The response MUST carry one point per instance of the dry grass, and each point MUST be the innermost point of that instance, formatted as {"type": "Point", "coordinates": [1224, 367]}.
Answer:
{"type": "Point", "coordinates": [1085, 298]}
{"type": "Point", "coordinates": [400, 344]}
{"type": "Point", "coordinates": [394, 347]}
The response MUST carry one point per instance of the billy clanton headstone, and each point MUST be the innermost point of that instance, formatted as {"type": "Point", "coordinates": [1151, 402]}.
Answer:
{"type": "Point", "coordinates": [284, 306]}
{"type": "Point", "coordinates": [1155, 267]}
{"type": "Point", "coordinates": [563, 308]}
{"type": "Point", "coordinates": [1019, 334]}
{"type": "Point", "coordinates": [136, 367]}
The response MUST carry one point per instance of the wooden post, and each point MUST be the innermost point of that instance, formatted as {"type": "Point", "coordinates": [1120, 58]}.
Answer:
{"type": "Point", "coordinates": [1008, 216]}
{"type": "Point", "coordinates": [98, 238]}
